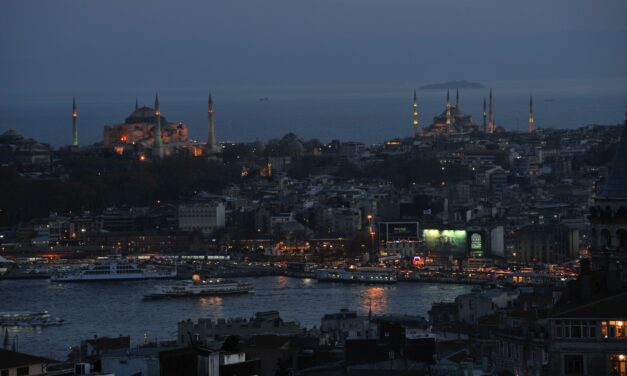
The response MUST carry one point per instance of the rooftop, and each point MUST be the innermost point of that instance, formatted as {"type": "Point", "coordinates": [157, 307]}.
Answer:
{"type": "Point", "coordinates": [12, 359]}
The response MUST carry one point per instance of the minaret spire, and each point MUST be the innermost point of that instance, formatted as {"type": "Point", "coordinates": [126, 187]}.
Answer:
{"type": "Point", "coordinates": [457, 100]}
{"type": "Point", "coordinates": [157, 151]}
{"type": "Point", "coordinates": [415, 114]}
{"type": "Point", "coordinates": [448, 110]}
{"type": "Point", "coordinates": [212, 145]}
{"type": "Point", "coordinates": [485, 114]}
{"type": "Point", "coordinates": [491, 115]}
{"type": "Point", "coordinates": [531, 129]}
{"type": "Point", "coordinates": [74, 123]}
{"type": "Point", "coordinates": [136, 103]}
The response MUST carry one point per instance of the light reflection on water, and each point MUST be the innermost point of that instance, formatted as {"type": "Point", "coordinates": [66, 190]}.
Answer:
{"type": "Point", "coordinates": [112, 309]}
{"type": "Point", "coordinates": [375, 298]}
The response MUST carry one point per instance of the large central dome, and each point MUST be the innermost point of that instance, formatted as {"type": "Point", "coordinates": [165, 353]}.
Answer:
{"type": "Point", "coordinates": [143, 115]}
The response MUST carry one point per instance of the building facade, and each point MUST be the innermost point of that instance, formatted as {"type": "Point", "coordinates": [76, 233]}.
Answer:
{"type": "Point", "coordinates": [201, 216]}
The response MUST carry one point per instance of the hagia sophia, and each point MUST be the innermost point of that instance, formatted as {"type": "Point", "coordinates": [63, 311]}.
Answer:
{"type": "Point", "coordinates": [138, 132]}
{"type": "Point", "coordinates": [147, 134]}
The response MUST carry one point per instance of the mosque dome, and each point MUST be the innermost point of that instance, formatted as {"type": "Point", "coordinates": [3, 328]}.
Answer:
{"type": "Point", "coordinates": [10, 136]}
{"type": "Point", "coordinates": [143, 114]}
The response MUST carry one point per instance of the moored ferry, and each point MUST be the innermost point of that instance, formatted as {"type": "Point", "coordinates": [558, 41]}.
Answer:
{"type": "Point", "coordinates": [200, 287]}
{"type": "Point", "coordinates": [358, 275]}
{"type": "Point", "coordinates": [28, 319]}
{"type": "Point", "coordinates": [113, 268]}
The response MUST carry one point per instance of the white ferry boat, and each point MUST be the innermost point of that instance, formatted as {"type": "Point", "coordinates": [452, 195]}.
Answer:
{"type": "Point", "coordinates": [359, 275]}
{"type": "Point", "coordinates": [113, 268]}
{"type": "Point", "coordinates": [200, 287]}
{"type": "Point", "coordinates": [28, 319]}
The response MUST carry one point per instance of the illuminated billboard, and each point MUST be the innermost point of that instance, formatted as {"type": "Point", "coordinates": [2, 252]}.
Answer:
{"type": "Point", "coordinates": [476, 244]}
{"type": "Point", "coordinates": [392, 231]}
{"type": "Point", "coordinates": [445, 242]}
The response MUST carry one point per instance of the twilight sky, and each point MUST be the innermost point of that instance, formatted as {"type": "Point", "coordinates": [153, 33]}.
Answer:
{"type": "Point", "coordinates": [82, 46]}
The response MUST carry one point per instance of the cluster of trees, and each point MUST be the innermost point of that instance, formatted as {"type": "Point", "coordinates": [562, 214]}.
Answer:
{"type": "Point", "coordinates": [402, 171]}
{"type": "Point", "coordinates": [94, 184]}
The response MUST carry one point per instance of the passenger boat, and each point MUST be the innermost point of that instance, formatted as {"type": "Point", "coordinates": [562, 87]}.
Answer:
{"type": "Point", "coordinates": [200, 287]}
{"type": "Point", "coordinates": [357, 274]}
{"type": "Point", "coordinates": [113, 268]}
{"type": "Point", "coordinates": [28, 319]}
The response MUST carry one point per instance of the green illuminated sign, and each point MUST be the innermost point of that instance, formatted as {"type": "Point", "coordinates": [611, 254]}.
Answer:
{"type": "Point", "coordinates": [475, 242]}
{"type": "Point", "coordinates": [446, 242]}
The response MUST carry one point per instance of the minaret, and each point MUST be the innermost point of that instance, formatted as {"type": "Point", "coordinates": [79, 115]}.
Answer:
{"type": "Point", "coordinates": [415, 113]}
{"type": "Point", "coordinates": [74, 123]}
{"type": "Point", "coordinates": [457, 100]}
{"type": "Point", "coordinates": [136, 103]}
{"type": "Point", "coordinates": [485, 114]}
{"type": "Point", "coordinates": [448, 110]}
{"type": "Point", "coordinates": [212, 145]}
{"type": "Point", "coordinates": [491, 114]}
{"type": "Point", "coordinates": [157, 151]}
{"type": "Point", "coordinates": [531, 114]}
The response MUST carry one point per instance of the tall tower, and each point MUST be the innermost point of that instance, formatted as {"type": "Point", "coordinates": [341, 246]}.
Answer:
{"type": "Point", "coordinates": [415, 113]}
{"type": "Point", "coordinates": [212, 145]}
{"type": "Point", "coordinates": [136, 103]}
{"type": "Point", "coordinates": [457, 100]}
{"type": "Point", "coordinates": [157, 151]}
{"type": "Point", "coordinates": [449, 121]}
{"type": "Point", "coordinates": [74, 123]}
{"type": "Point", "coordinates": [607, 214]}
{"type": "Point", "coordinates": [491, 115]}
{"type": "Point", "coordinates": [530, 114]}
{"type": "Point", "coordinates": [485, 114]}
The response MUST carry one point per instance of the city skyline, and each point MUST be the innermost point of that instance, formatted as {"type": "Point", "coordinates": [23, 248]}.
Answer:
{"type": "Point", "coordinates": [513, 115]}
{"type": "Point", "coordinates": [313, 188]}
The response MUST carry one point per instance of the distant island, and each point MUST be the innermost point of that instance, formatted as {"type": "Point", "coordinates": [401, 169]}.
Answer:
{"type": "Point", "coordinates": [454, 85]}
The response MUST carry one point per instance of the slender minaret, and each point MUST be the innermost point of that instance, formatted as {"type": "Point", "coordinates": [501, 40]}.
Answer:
{"type": "Point", "coordinates": [157, 151]}
{"type": "Point", "coordinates": [212, 145]}
{"type": "Point", "coordinates": [74, 123]}
{"type": "Point", "coordinates": [491, 115]}
{"type": "Point", "coordinates": [485, 114]}
{"type": "Point", "coordinates": [530, 114]}
{"type": "Point", "coordinates": [415, 113]}
{"type": "Point", "coordinates": [136, 103]}
{"type": "Point", "coordinates": [457, 100]}
{"type": "Point", "coordinates": [448, 110]}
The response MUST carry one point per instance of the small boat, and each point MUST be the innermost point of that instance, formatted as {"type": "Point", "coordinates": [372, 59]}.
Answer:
{"type": "Point", "coordinates": [200, 287]}
{"type": "Point", "coordinates": [28, 319]}
{"type": "Point", "coordinates": [113, 268]}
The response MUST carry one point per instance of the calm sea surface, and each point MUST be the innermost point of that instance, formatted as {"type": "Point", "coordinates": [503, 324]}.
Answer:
{"type": "Point", "coordinates": [114, 308]}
